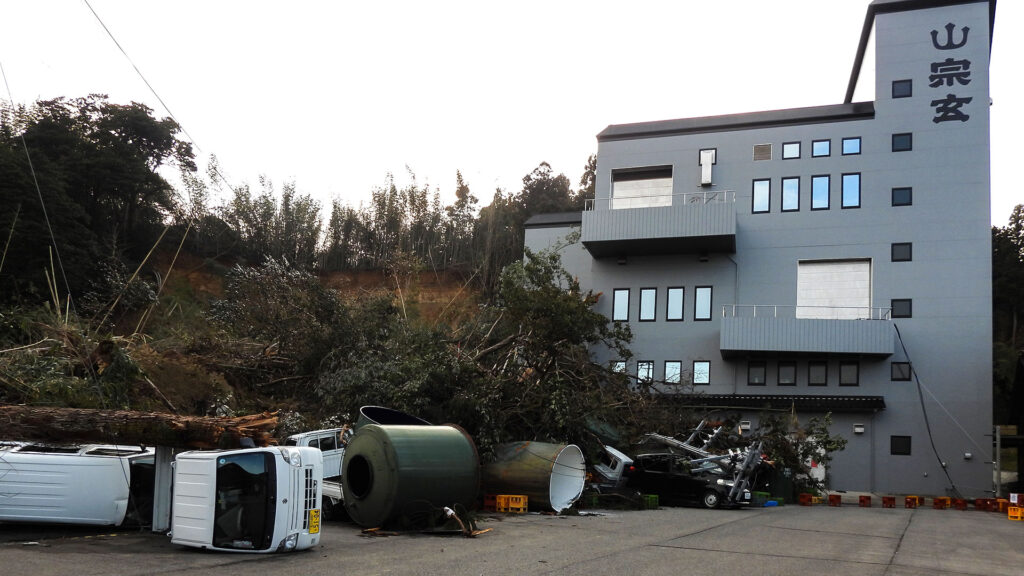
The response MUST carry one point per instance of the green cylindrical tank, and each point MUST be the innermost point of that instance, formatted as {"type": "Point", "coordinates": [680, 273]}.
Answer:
{"type": "Point", "coordinates": [391, 471]}
{"type": "Point", "coordinates": [550, 475]}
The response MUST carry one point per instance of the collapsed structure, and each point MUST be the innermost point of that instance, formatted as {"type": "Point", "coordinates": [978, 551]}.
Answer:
{"type": "Point", "coordinates": [827, 259]}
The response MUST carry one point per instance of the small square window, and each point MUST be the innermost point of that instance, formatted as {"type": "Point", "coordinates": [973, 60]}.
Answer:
{"type": "Point", "coordinates": [756, 373]}
{"type": "Point", "coordinates": [900, 371]}
{"type": "Point", "coordinates": [761, 196]}
{"type": "Point", "coordinates": [902, 196]}
{"type": "Point", "coordinates": [787, 373]}
{"type": "Point", "coordinates": [821, 148]}
{"type": "Point", "coordinates": [851, 191]}
{"type": "Point", "coordinates": [674, 304]}
{"type": "Point", "coordinates": [701, 372]}
{"type": "Point", "coordinates": [644, 371]}
{"type": "Point", "coordinates": [902, 308]}
{"type": "Point", "coordinates": [849, 373]}
{"type": "Point", "coordinates": [648, 304]}
{"type": "Point", "coordinates": [620, 305]}
{"type": "Point", "coordinates": [817, 373]}
{"type": "Point", "coordinates": [899, 445]}
{"type": "Point", "coordinates": [902, 142]}
{"type": "Point", "coordinates": [902, 88]}
{"type": "Point", "coordinates": [820, 190]}
{"type": "Point", "coordinates": [619, 366]}
{"type": "Point", "coordinates": [790, 194]}
{"type": "Point", "coordinates": [851, 146]}
{"type": "Point", "coordinates": [673, 371]}
{"type": "Point", "coordinates": [790, 150]}
{"type": "Point", "coordinates": [902, 251]}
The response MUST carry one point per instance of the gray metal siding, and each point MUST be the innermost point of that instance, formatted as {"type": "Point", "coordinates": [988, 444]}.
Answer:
{"type": "Point", "coordinates": [817, 336]}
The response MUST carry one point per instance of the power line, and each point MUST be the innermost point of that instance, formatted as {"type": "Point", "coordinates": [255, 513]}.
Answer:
{"type": "Point", "coordinates": [216, 168]}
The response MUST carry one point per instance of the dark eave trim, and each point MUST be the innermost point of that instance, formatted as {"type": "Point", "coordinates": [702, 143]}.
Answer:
{"type": "Point", "coordinates": [887, 6]}
{"type": "Point", "coordinates": [554, 220]}
{"type": "Point", "coordinates": [746, 121]}
{"type": "Point", "coordinates": [800, 402]}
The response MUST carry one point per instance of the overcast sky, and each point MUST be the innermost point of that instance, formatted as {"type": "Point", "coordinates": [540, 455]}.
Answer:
{"type": "Point", "coordinates": [335, 95]}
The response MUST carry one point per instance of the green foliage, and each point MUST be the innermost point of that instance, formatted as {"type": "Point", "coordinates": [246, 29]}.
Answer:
{"type": "Point", "coordinates": [788, 444]}
{"type": "Point", "coordinates": [96, 165]}
{"type": "Point", "coordinates": [282, 306]}
{"type": "Point", "coordinates": [1008, 306]}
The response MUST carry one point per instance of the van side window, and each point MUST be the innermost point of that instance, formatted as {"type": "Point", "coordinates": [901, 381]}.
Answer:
{"type": "Point", "coordinates": [329, 443]}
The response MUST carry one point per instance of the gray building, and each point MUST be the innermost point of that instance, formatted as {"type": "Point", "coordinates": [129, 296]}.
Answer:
{"type": "Point", "coordinates": [834, 258]}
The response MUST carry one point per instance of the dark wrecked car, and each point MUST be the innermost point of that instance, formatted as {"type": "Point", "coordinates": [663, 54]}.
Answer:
{"type": "Point", "coordinates": [672, 478]}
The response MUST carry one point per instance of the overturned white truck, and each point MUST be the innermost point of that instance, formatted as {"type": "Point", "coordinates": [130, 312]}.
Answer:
{"type": "Point", "coordinates": [244, 500]}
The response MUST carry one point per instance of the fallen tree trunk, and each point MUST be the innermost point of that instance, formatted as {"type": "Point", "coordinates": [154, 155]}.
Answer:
{"type": "Point", "coordinates": [85, 426]}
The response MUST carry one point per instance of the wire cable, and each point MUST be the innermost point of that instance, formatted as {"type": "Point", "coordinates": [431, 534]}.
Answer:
{"type": "Point", "coordinates": [924, 412]}
{"type": "Point", "coordinates": [216, 169]}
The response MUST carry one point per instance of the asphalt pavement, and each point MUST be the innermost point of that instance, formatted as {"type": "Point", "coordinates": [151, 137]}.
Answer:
{"type": "Point", "coordinates": [846, 540]}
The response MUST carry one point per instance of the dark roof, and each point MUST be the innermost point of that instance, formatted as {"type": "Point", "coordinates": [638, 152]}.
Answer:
{"type": "Point", "coordinates": [801, 403]}
{"type": "Point", "coordinates": [885, 6]}
{"type": "Point", "coordinates": [727, 122]}
{"type": "Point", "coordinates": [554, 220]}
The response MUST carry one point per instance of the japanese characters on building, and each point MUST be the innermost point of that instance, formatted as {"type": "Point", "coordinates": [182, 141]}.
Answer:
{"type": "Point", "coordinates": [949, 74]}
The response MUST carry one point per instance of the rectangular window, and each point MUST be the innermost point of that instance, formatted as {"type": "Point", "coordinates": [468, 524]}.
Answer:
{"type": "Point", "coordinates": [644, 371]}
{"type": "Point", "coordinates": [902, 142]}
{"type": "Point", "coordinates": [790, 150]}
{"type": "Point", "coordinates": [851, 146]}
{"type": "Point", "coordinates": [821, 148]}
{"type": "Point", "coordinates": [902, 88]}
{"type": "Point", "coordinates": [902, 308]}
{"type": "Point", "coordinates": [787, 373]}
{"type": "Point", "coordinates": [620, 305]}
{"type": "Point", "coordinates": [756, 373]}
{"type": "Point", "coordinates": [902, 196]}
{"type": "Point", "coordinates": [899, 445]}
{"type": "Point", "coordinates": [762, 196]}
{"type": "Point", "coordinates": [702, 303]}
{"type": "Point", "coordinates": [790, 194]}
{"type": "Point", "coordinates": [900, 371]}
{"type": "Point", "coordinates": [619, 366]}
{"type": "Point", "coordinates": [701, 372]}
{"type": "Point", "coordinates": [642, 187]}
{"type": "Point", "coordinates": [849, 373]}
{"type": "Point", "coordinates": [820, 191]}
{"type": "Point", "coordinates": [674, 311]}
{"type": "Point", "coordinates": [851, 190]}
{"type": "Point", "coordinates": [673, 371]}
{"type": "Point", "coordinates": [902, 251]}
{"type": "Point", "coordinates": [817, 373]}
{"type": "Point", "coordinates": [762, 151]}
{"type": "Point", "coordinates": [648, 304]}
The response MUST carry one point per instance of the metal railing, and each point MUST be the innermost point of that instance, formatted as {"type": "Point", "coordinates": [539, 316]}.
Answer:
{"type": "Point", "coordinates": [661, 200]}
{"type": "Point", "coordinates": [805, 312]}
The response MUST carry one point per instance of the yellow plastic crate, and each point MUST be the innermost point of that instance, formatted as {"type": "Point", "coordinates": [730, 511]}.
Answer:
{"type": "Point", "coordinates": [515, 503]}
{"type": "Point", "coordinates": [1015, 513]}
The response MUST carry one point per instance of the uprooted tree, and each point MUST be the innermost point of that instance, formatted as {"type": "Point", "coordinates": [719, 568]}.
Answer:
{"type": "Point", "coordinates": [74, 425]}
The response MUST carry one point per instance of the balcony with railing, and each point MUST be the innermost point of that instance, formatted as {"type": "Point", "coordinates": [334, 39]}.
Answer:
{"type": "Point", "coordinates": [754, 329]}
{"type": "Point", "coordinates": [694, 222]}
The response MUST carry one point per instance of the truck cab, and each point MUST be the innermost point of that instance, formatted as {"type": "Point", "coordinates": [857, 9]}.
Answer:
{"type": "Point", "coordinates": [331, 443]}
{"type": "Point", "coordinates": [248, 500]}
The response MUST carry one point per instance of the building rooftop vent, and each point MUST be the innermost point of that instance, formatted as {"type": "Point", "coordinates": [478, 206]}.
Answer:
{"type": "Point", "coordinates": [762, 151]}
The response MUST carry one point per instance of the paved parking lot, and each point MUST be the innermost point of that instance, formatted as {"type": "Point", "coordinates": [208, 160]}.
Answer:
{"type": "Point", "coordinates": [764, 541]}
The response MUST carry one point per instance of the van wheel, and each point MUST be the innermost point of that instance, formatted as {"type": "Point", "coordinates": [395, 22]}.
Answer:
{"type": "Point", "coordinates": [711, 499]}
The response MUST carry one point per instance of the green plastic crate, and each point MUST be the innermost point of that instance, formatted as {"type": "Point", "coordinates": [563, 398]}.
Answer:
{"type": "Point", "coordinates": [648, 501]}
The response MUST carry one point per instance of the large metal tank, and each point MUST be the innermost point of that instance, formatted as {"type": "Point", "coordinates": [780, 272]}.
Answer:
{"type": "Point", "coordinates": [394, 471]}
{"type": "Point", "coordinates": [551, 475]}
